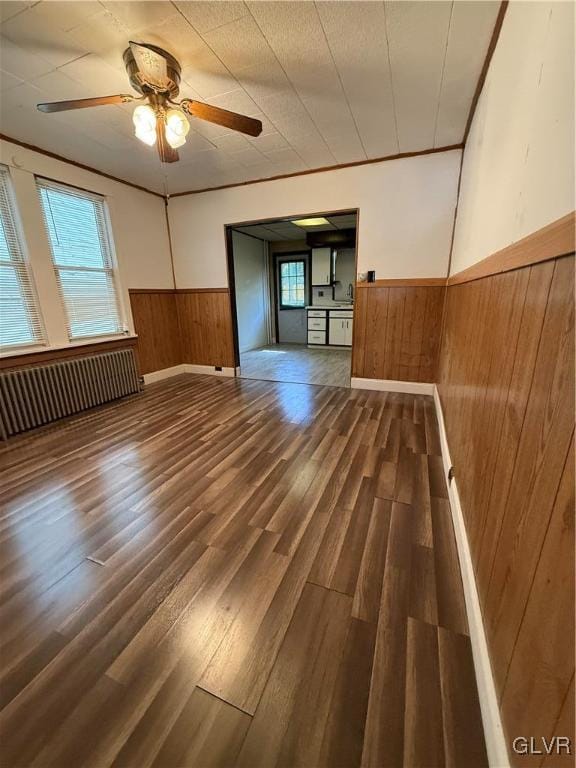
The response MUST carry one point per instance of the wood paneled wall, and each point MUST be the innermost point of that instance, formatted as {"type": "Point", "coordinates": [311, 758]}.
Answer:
{"type": "Point", "coordinates": [156, 323]}
{"type": "Point", "coordinates": [206, 327]}
{"type": "Point", "coordinates": [397, 331]}
{"type": "Point", "coordinates": [183, 326]}
{"type": "Point", "coordinates": [506, 382]}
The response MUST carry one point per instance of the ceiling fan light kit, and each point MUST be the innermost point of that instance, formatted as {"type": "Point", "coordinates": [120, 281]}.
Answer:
{"type": "Point", "coordinates": [144, 119]}
{"type": "Point", "coordinates": [177, 128]}
{"type": "Point", "coordinates": [162, 121]}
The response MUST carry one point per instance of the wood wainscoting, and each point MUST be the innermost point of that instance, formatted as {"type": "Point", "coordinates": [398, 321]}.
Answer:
{"type": "Point", "coordinates": [205, 321]}
{"type": "Point", "coordinates": [155, 318]}
{"type": "Point", "coordinates": [182, 326]}
{"type": "Point", "coordinates": [397, 326]}
{"type": "Point", "coordinates": [506, 383]}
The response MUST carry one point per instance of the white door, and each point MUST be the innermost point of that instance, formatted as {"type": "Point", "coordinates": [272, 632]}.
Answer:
{"type": "Point", "coordinates": [321, 266]}
{"type": "Point", "coordinates": [338, 331]}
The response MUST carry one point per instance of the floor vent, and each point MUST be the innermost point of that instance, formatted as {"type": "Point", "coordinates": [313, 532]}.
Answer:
{"type": "Point", "coordinates": [30, 397]}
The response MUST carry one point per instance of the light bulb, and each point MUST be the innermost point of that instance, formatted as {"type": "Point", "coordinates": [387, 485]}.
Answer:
{"type": "Point", "coordinates": [144, 118]}
{"type": "Point", "coordinates": [174, 139]}
{"type": "Point", "coordinates": [177, 126]}
{"type": "Point", "coordinates": [177, 123]}
{"type": "Point", "coordinates": [146, 135]}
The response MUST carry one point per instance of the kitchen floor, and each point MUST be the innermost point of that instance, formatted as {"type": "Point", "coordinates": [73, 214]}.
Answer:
{"type": "Point", "coordinates": [297, 363]}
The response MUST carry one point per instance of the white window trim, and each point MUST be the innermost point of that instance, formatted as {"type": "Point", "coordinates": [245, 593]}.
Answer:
{"type": "Point", "coordinates": [42, 343]}
{"type": "Point", "coordinates": [78, 341]}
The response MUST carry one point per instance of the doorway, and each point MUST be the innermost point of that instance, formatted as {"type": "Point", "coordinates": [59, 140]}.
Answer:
{"type": "Point", "coordinates": [292, 294]}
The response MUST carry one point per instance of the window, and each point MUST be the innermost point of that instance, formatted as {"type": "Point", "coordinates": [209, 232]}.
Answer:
{"type": "Point", "coordinates": [20, 319]}
{"type": "Point", "coordinates": [81, 245]}
{"type": "Point", "coordinates": [292, 284]}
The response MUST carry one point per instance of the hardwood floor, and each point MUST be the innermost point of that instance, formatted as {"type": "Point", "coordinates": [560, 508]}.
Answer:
{"type": "Point", "coordinates": [297, 363]}
{"type": "Point", "coordinates": [226, 572]}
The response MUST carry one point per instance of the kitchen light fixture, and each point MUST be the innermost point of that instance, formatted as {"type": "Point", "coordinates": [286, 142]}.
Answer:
{"type": "Point", "coordinates": [319, 222]}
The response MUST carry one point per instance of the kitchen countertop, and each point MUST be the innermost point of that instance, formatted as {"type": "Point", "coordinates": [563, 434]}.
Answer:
{"type": "Point", "coordinates": [330, 306]}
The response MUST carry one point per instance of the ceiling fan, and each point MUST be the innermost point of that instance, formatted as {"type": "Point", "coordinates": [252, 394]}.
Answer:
{"type": "Point", "coordinates": [155, 74]}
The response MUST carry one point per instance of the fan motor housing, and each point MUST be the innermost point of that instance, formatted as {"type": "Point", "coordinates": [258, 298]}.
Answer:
{"type": "Point", "coordinates": [139, 84]}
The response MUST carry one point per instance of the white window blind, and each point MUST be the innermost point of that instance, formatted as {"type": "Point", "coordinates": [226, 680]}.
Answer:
{"type": "Point", "coordinates": [20, 319]}
{"type": "Point", "coordinates": [81, 244]}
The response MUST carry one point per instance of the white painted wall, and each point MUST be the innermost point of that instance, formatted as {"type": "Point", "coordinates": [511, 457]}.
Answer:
{"type": "Point", "coordinates": [251, 280]}
{"type": "Point", "coordinates": [518, 171]}
{"type": "Point", "coordinates": [139, 230]}
{"type": "Point", "coordinates": [405, 226]}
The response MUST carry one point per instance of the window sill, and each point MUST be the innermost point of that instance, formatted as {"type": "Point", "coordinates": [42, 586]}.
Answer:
{"type": "Point", "coordinates": [47, 351]}
{"type": "Point", "coordinates": [39, 348]}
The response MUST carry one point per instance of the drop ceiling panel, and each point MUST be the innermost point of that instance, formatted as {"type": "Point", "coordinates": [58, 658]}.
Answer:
{"type": "Point", "coordinates": [332, 82]}
{"type": "Point", "coordinates": [287, 230]}
{"type": "Point", "coordinates": [347, 221]}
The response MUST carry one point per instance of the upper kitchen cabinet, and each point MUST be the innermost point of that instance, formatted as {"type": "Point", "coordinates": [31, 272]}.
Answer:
{"type": "Point", "coordinates": [321, 266]}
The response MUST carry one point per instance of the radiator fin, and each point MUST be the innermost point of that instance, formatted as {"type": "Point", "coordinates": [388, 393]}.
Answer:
{"type": "Point", "coordinates": [37, 395]}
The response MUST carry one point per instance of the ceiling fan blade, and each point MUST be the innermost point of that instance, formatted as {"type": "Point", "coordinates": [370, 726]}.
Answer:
{"type": "Point", "coordinates": [167, 154]}
{"type": "Point", "coordinates": [233, 120]}
{"type": "Point", "coordinates": [98, 101]}
{"type": "Point", "coordinates": [151, 65]}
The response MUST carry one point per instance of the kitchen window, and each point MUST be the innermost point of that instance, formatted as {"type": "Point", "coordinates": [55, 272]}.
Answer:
{"type": "Point", "coordinates": [292, 284]}
{"type": "Point", "coordinates": [20, 319]}
{"type": "Point", "coordinates": [78, 229]}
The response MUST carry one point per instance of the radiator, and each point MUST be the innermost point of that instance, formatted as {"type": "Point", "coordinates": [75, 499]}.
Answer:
{"type": "Point", "coordinates": [30, 397]}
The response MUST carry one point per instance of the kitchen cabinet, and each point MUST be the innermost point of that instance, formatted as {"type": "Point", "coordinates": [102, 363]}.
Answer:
{"type": "Point", "coordinates": [321, 266]}
{"type": "Point", "coordinates": [330, 327]}
{"type": "Point", "coordinates": [340, 330]}
{"type": "Point", "coordinates": [317, 326]}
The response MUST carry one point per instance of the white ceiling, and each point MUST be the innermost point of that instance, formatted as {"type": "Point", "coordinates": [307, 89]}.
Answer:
{"type": "Point", "coordinates": [285, 230]}
{"type": "Point", "coordinates": [332, 82]}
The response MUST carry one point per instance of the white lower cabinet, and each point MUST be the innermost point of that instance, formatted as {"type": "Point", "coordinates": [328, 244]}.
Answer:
{"type": "Point", "coordinates": [340, 330]}
{"type": "Point", "coordinates": [337, 331]}
{"type": "Point", "coordinates": [349, 332]}
{"type": "Point", "coordinates": [317, 337]}
{"type": "Point", "coordinates": [338, 323]}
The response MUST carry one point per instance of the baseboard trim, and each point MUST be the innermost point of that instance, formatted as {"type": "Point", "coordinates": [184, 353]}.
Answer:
{"type": "Point", "coordinates": [390, 385]}
{"type": "Point", "coordinates": [209, 369]}
{"type": "Point", "coordinates": [491, 719]}
{"type": "Point", "coordinates": [164, 373]}
{"type": "Point", "coordinates": [176, 370]}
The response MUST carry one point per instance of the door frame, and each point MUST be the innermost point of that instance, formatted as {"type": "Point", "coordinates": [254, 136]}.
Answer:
{"type": "Point", "coordinates": [228, 228]}
{"type": "Point", "coordinates": [276, 259]}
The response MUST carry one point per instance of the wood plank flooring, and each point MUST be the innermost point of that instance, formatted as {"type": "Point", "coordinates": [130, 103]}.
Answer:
{"type": "Point", "coordinates": [225, 572]}
{"type": "Point", "coordinates": [298, 363]}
